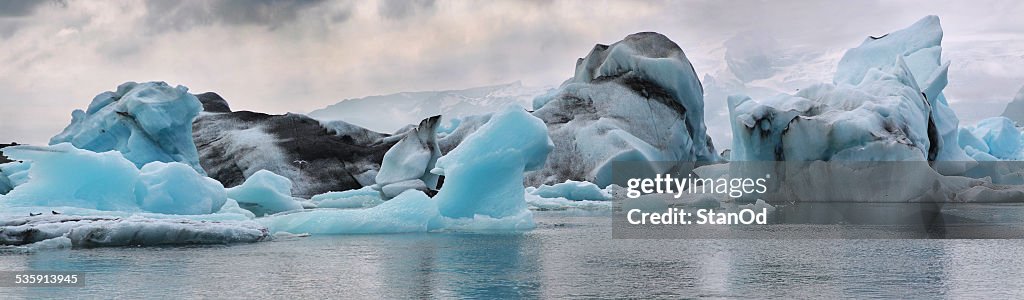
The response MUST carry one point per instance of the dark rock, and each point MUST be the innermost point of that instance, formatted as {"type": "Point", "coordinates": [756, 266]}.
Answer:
{"type": "Point", "coordinates": [213, 102]}
{"type": "Point", "coordinates": [4, 159]}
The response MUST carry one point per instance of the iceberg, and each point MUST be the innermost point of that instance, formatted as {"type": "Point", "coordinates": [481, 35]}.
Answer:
{"type": "Point", "coordinates": [64, 176]}
{"type": "Point", "coordinates": [920, 46]}
{"type": "Point", "coordinates": [265, 193]}
{"type": "Point", "coordinates": [318, 157]}
{"type": "Point", "coordinates": [408, 163]}
{"type": "Point", "coordinates": [638, 99]}
{"type": "Point", "coordinates": [997, 136]}
{"type": "Point", "coordinates": [146, 122]}
{"type": "Point", "coordinates": [174, 188]}
{"type": "Point", "coordinates": [489, 165]}
{"type": "Point", "coordinates": [571, 190]}
{"type": "Point", "coordinates": [885, 104]}
{"type": "Point", "coordinates": [580, 195]}
{"type": "Point", "coordinates": [361, 198]}
{"type": "Point", "coordinates": [1015, 109]}
{"type": "Point", "coordinates": [483, 189]}
{"type": "Point", "coordinates": [103, 231]}
{"type": "Point", "coordinates": [882, 123]}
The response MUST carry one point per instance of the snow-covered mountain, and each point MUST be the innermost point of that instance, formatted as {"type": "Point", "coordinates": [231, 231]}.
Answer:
{"type": "Point", "coordinates": [394, 111]}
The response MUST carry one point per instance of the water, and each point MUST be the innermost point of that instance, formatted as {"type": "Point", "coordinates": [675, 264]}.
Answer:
{"type": "Point", "coordinates": [569, 255]}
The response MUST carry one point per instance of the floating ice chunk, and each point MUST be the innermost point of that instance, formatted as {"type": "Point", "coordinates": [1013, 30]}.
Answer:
{"type": "Point", "coordinates": [757, 206]}
{"type": "Point", "coordinates": [13, 174]}
{"type": "Point", "coordinates": [265, 193]}
{"type": "Point", "coordinates": [1000, 137]}
{"type": "Point", "coordinates": [920, 46]}
{"type": "Point", "coordinates": [84, 232]}
{"type": "Point", "coordinates": [146, 122]}
{"type": "Point", "coordinates": [967, 139]}
{"type": "Point", "coordinates": [231, 207]}
{"type": "Point", "coordinates": [408, 163]}
{"type": "Point", "coordinates": [536, 202]}
{"type": "Point", "coordinates": [571, 190]}
{"type": "Point", "coordinates": [364, 197]}
{"type": "Point", "coordinates": [884, 117]}
{"type": "Point", "coordinates": [411, 211]}
{"type": "Point", "coordinates": [61, 242]}
{"type": "Point", "coordinates": [483, 189]}
{"type": "Point", "coordinates": [638, 99]}
{"type": "Point", "coordinates": [483, 175]}
{"type": "Point", "coordinates": [175, 188]}
{"type": "Point", "coordinates": [62, 175]}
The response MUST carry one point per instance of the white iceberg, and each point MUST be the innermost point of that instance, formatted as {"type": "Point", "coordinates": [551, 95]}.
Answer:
{"type": "Point", "coordinates": [408, 163]}
{"type": "Point", "coordinates": [361, 198]}
{"type": "Point", "coordinates": [265, 193]}
{"type": "Point", "coordinates": [571, 190]}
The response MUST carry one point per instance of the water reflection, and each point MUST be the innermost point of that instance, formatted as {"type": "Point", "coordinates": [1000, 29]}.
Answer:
{"type": "Point", "coordinates": [567, 256]}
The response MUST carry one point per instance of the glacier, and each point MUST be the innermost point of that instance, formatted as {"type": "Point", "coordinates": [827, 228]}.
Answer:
{"type": "Point", "coordinates": [146, 122]}
{"type": "Point", "coordinates": [395, 111]}
{"type": "Point", "coordinates": [483, 189]}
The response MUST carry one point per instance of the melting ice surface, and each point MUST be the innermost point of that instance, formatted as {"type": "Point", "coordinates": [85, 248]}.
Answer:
{"type": "Point", "coordinates": [483, 188]}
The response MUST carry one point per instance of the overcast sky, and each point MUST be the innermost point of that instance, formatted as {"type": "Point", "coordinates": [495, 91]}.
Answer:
{"type": "Point", "coordinates": [280, 56]}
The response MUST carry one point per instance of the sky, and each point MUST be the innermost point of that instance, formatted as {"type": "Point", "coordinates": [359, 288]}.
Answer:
{"type": "Point", "coordinates": [297, 56]}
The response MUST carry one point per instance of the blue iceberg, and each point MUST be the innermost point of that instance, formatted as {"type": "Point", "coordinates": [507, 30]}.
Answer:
{"type": "Point", "coordinates": [483, 188]}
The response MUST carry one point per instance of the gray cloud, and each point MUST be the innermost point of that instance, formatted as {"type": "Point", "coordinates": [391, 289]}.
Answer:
{"type": "Point", "coordinates": [279, 56]}
{"type": "Point", "coordinates": [186, 14]}
{"type": "Point", "coordinates": [21, 8]}
{"type": "Point", "coordinates": [401, 9]}
{"type": "Point", "coordinates": [15, 13]}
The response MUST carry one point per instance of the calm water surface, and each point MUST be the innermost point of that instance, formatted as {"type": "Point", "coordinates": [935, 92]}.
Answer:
{"type": "Point", "coordinates": [568, 255]}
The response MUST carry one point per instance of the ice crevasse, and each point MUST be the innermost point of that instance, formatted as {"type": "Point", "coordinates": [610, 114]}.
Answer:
{"type": "Point", "coordinates": [483, 188]}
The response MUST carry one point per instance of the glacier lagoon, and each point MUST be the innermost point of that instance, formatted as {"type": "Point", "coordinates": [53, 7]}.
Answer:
{"type": "Point", "coordinates": [885, 104]}
{"type": "Point", "coordinates": [569, 254]}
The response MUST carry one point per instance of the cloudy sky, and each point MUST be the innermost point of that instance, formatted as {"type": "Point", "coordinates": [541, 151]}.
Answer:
{"type": "Point", "coordinates": [281, 56]}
